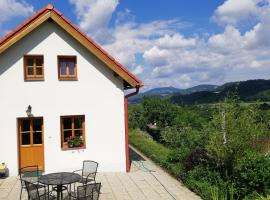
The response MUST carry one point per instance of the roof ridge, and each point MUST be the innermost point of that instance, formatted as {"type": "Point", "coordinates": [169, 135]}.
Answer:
{"type": "Point", "coordinates": [49, 6]}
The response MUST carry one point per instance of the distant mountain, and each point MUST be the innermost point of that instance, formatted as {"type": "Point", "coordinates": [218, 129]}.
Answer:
{"type": "Point", "coordinates": [169, 91]}
{"type": "Point", "coordinates": [162, 91]}
{"type": "Point", "coordinates": [199, 88]}
{"type": "Point", "coordinates": [251, 90]}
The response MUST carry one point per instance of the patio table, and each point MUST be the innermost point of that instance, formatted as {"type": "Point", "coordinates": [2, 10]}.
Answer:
{"type": "Point", "coordinates": [59, 179]}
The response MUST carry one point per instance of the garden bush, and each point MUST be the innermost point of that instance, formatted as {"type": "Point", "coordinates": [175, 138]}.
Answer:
{"type": "Point", "coordinates": [253, 175]}
{"type": "Point", "coordinates": [177, 155]}
{"type": "Point", "coordinates": [183, 137]}
{"type": "Point", "coordinates": [198, 157]}
{"type": "Point", "coordinates": [201, 180]}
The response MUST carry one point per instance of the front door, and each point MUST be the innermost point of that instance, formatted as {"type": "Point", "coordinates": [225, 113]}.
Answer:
{"type": "Point", "coordinates": [31, 144]}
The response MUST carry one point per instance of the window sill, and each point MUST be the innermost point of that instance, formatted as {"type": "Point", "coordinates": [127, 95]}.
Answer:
{"type": "Point", "coordinates": [72, 148]}
{"type": "Point", "coordinates": [68, 79]}
{"type": "Point", "coordinates": [34, 79]}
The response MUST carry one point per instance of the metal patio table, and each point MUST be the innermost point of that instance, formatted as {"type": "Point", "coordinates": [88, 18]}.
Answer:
{"type": "Point", "coordinates": [59, 179]}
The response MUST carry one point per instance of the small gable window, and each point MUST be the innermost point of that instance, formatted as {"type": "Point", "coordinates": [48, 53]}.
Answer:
{"type": "Point", "coordinates": [67, 67]}
{"type": "Point", "coordinates": [33, 67]}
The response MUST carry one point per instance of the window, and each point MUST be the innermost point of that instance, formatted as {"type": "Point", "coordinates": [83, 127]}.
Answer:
{"type": "Point", "coordinates": [33, 68]}
{"type": "Point", "coordinates": [31, 131]}
{"type": "Point", "coordinates": [67, 67]}
{"type": "Point", "coordinates": [72, 132]}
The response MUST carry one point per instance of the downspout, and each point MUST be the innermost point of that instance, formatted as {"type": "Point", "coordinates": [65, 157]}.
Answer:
{"type": "Point", "coordinates": [126, 125]}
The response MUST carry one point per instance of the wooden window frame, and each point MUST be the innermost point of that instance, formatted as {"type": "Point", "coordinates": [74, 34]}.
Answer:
{"type": "Point", "coordinates": [67, 77]}
{"type": "Point", "coordinates": [20, 119]}
{"type": "Point", "coordinates": [63, 145]}
{"type": "Point", "coordinates": [34, 77]}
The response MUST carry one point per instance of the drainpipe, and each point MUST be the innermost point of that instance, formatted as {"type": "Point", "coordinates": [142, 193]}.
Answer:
{"type": "Point", "coordinates": [126, 125]}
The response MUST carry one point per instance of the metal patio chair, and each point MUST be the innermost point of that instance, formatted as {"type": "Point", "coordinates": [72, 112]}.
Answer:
{"type": "Point", "coordinates": [30, 174]}
{"type": "Point", "coordinates": [89, 191]}
{"type": "Point", "coordinates": [88, 172]}
{"type": "Point", "coordinates": [37, 192]}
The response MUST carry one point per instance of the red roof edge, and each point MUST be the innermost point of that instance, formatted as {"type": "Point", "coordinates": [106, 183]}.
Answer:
{"type": "Point", "coordinates": [50, 8]}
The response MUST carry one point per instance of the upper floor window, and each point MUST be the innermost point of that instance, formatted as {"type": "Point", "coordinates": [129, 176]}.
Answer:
{"type": "Point", "coordinates": [67, 67]}
{"type": "Point", "coordinates": [33, 67]}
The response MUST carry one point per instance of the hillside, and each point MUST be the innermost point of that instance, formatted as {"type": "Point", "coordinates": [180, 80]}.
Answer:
{"type": "Point", "coordinates": [163, 91]}
{"type": "Point", "coordinates": [251, 90]}
{"type": "Point", "coordinates": [199, 88]}
{"type": "Point", "coordinates": [169, 91]}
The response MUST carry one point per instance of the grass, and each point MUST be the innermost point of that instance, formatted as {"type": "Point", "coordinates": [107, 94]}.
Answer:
{"type": "Point", "coordinates": [153, 150]}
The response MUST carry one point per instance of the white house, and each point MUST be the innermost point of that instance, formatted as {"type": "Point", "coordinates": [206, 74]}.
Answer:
{"type": "Point", "coordinates": [62, 98]}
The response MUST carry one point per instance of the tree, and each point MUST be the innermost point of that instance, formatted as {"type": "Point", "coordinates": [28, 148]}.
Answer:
{"type": "Point", "coordinates": [136, 117]}
{"type": "Point", "coordinates": [159, 111]}
{"type": "Point", "coordinates": [234, 130]}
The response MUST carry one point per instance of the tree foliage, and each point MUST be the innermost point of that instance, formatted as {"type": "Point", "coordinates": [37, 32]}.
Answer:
{"type": "Point", "coordinates": [234, 130]}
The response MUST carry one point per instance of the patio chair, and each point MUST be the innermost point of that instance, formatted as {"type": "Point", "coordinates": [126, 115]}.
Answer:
{"type": "Point", "coordinates": [89, 191]}
{"type": "Point", "coordinates": [30, 174]}
{"type": "Point", "coordinates": [89, 171]}
{"type": "Point", "coordinates": [37, 192]}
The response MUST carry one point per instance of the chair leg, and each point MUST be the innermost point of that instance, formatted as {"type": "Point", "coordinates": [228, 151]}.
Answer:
{"type": "Point", "coordinates": [21, 193]}
{"type": "Point", "coordinates": [48, 191]}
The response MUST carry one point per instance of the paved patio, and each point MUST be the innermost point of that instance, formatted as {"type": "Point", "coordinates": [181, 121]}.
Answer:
{"type": "Point", "coordinates": [146, 181]}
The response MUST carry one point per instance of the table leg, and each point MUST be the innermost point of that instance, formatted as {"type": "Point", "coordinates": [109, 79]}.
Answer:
{"type": "Point", "coordinates": [59, 192]}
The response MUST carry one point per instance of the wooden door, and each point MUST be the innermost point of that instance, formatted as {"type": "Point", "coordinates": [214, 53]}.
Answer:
{"type": "Point", "coordinates": [31, 143]}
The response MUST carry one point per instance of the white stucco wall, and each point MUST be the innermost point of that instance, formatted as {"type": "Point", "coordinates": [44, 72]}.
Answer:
{"type": "Point", "coordinates": [97, 94]}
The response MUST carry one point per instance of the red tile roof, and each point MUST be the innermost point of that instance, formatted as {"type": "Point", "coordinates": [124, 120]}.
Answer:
{"type": "Point", "coordinates": [51, 8]}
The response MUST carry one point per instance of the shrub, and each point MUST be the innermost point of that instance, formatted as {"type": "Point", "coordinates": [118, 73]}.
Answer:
{"type": "Point", "coordinates": [253, 175]}
{"type": "Point", "coordinates": [183, 137]}
{"type": "Point", "coordinates": [198, 157]}
{"type": "Point", "coordinates": [176, 169]}
{"type": "Point", "coordinates": [202, 180]}
{"type": "Point", "coordinates": [178, 155]}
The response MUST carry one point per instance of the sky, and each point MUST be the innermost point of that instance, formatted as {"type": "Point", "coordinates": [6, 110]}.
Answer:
{"type": "Point", "coordinates": [179, 43]}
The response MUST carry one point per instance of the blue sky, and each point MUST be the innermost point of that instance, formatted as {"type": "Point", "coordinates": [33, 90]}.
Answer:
{"type": "Point", "coordinates": [178, 43]}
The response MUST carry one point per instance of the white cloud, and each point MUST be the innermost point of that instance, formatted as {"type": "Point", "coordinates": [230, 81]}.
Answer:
{"type": "Point", "coordinates": [175, 41]}
{"type": "Point", "coordinates": [94, 16]}
{"type": "Point", "coordinates": [228, 41]}
{"type": "Point", "coordinates": [156, 56]}
{"type": "Point", "coordinates": [138, 70]}
{"type": "Point", "coordinates": [14, 8]}
{"type": "Point", "coordinates": [168, 58]}
{"type": "Point", "coordinates": [131, 38]}
{"type": "Point", "coordinates": [234, 11]}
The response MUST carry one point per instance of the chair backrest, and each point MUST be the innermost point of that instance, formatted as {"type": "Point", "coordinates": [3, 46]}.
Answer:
{"type": "Point", "coordinates": [29, 173]}
{"type": "Point", "coordinates": [89, 168]}
{"type": "Point", "coordinates": [89, 191]}
{"type": "Point", "coordinates": [32, 190]}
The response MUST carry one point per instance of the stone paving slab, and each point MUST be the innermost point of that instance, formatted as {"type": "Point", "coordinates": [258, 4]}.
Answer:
{"type": "Point", "coordinates": [146, 181]}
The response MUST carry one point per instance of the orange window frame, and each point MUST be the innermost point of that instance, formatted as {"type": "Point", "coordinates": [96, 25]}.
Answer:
{"type": "Point", "coordinates": [33, 77]}
{"type": "Point", "coordinates": [31, 130]}
{"type": "Point", "coordinates": [67, 76]}
{"type": "Point", "coordinates": [72, 117]}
